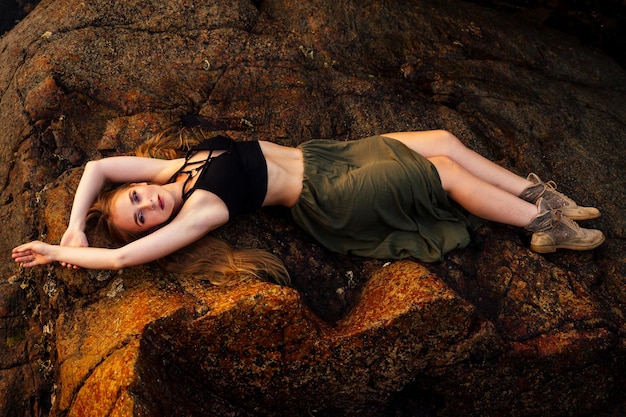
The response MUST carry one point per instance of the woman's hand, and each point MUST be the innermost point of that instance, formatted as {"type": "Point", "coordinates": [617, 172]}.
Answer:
{"type": "Point", "coordinates": [76, 238]}
{"type": "Point", "coordinates": [33, 253]}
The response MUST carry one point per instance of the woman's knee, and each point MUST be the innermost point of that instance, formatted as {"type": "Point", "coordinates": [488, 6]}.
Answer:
{"type": "Point", "coordinates": [444, 163]}
{"type": "Point", "coordinates": [450, 142]}
{"type": "Point", "coordinates": [449, 171]}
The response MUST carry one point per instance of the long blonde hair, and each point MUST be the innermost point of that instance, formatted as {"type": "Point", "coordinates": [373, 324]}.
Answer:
{"type": "Point", "coordinates": [209, 258]}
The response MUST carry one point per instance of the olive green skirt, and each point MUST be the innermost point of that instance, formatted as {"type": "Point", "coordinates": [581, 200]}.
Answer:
{"type": "Point", "coordinates": [377, 198]}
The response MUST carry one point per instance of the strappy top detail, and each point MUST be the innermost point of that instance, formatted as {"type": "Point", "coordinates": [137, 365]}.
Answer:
{"type": "Point", "coordinates": [238, 176]}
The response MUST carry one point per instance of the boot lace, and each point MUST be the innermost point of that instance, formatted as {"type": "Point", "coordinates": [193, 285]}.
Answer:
{"type": "Point", "coordinates": [550, 186]}
{"type": "Point", "coordinates": [563, 227]}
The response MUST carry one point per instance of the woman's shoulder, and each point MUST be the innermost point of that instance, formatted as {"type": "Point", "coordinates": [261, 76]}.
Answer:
{"type": "Point", "coordinates": [205, 209]}
{"type": "Point", "coordinates": [167, 168]}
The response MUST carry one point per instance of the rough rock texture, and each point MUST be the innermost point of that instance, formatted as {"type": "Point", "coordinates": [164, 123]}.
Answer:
{"type": "Point", "coordinates": [493, 330]}
{"type": "Point", "coordinates": [598, 23]}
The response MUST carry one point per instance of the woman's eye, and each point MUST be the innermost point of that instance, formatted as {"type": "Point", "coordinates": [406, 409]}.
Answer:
{"type": "Point", "coordinates": [135, 196]}
{"type": "Point", "coordinates": [140, 218]}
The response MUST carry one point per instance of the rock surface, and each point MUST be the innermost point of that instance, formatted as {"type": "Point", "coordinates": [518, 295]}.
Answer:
{"type": "Point", "coordinates": [493, 330]}
{"type": "Point", "coordinates": [598, 23]}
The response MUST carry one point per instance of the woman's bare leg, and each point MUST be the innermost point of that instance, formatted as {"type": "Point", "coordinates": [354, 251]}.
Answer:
{"type": "Point", "coordinates": [481, 198]}
{"type": "Point", "coordinates": [434, 143]}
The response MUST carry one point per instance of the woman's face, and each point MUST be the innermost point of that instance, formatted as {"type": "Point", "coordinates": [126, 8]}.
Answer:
{"type": "Point", "coordinates": [142, 207]}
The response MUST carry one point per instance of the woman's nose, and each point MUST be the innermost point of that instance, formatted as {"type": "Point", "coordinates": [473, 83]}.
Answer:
{"type": "Point", "coordinates": [148, 204]}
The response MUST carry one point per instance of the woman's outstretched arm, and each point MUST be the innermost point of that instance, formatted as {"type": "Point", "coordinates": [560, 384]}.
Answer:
{"type": "Point", "coordinates": [39, 253]}
{"type": "Point", "coordinates": [199, 216]}
{"type": "Point", "coordinates": [90, 185]}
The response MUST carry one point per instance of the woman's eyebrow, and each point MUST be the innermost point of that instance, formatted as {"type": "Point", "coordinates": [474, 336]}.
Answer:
{"type": "Point", "coordinates": [132, 202]}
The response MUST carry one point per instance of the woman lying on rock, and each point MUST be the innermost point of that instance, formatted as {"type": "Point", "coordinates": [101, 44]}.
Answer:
{"type": "Point", "coordinates": [383, 197]}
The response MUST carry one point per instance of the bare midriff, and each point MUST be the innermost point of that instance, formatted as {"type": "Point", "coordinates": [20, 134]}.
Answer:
{"type": "Point", "coordinates": [285, 170]}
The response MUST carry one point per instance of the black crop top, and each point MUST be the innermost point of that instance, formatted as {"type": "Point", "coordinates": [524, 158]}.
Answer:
{"type": "Point", "coordinates": [237, 176]}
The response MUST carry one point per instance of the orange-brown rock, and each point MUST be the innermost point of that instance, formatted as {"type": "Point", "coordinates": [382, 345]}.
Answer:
{"type": "Point", "coordinates": [493, 330]}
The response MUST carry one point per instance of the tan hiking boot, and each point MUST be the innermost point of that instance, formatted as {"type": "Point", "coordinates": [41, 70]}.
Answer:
{"type": "Point", "coordinates": [556, 200]}
{"type": "Point", "coordinates": [553, 230]}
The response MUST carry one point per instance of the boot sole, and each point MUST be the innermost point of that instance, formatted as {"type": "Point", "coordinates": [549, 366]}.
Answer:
{"type": "Point", "coordinates": [553, 248]}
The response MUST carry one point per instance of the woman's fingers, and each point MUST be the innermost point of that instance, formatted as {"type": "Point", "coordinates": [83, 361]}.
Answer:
{"type": "Point", "coordinates": [23, 258]}
{"type": "Point", "coordinates": [31, 254]}
{"type": "Point", "coordinates": [27, 259]}
{"type": "Point", "coordinates": [22, 255]}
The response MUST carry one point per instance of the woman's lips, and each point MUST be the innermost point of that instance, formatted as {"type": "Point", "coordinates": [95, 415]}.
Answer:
{"type": "Point", "coordinates": [161, 203]}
